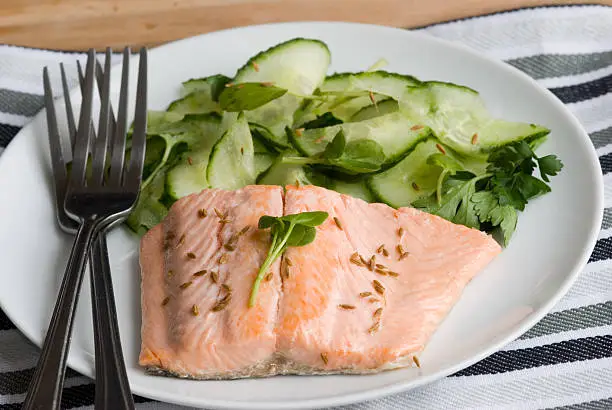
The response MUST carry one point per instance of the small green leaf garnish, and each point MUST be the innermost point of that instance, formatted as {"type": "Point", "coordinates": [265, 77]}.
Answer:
{"type": "Point", "coordinates": [248, 96]}
{"type": "Point", "coordinates": [289, 230]}
{"type": "Point", "coordinates": [358, 156]}
{"type": "Point", "coordinates": [336, 147]}
{"type": "Point", "coordinates": [361, 156]}
{"type": "Point", "coordinates": [488, 209]}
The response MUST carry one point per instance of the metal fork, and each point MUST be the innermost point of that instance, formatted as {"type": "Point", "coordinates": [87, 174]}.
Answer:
{"type": "Point", "coordinates": [112, 386]}
{"type": "Point", "coordinates": [104, 198]}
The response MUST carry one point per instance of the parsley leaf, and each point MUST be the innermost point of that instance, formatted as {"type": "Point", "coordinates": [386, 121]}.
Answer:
{"type": "Point", "coordinates": [549, 165]}
{"type": "Point", "coordinates": [289, 230]}
{"type": "Point", "coordinates": [488, 209]}
{"type": "Point", "coordinates": [491, 200]}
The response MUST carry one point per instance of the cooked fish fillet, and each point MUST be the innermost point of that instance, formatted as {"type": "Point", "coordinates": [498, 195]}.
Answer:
{"type": "Point", "coordinates": [372, 288]}
{"type": "Point", "coordinates": [365, 296]}
{"type": "Point", "coordinates": [198, 266]}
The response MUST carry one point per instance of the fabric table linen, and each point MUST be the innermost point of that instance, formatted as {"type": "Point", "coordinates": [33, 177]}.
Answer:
{"type": "Point", "coordinates": [563, 362]}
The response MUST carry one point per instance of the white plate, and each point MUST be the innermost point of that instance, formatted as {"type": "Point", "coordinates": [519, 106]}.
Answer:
{"type": "Point", "coordinates": [552, 243]}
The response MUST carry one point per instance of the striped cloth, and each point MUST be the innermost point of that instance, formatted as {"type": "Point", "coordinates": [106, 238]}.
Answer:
{"type": "Point", "coordinates": [565, 361]}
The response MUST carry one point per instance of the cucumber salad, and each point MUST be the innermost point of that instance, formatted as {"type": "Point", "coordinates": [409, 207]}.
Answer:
{"type": "Point", "coordinates": [376, 135]}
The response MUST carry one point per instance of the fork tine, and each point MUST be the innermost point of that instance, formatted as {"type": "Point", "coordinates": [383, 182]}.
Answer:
{"type": "Point", "coordinates": [81, 76]}
{"type": "Point", "coordinates": [68, 104]}
{"type": "Point", "coordinates": [140, 124]}
{"type": "Point", "coordinates": [101, 143]}
{"type": "Point", "coordinates": [82, 142]}
{"type": "Point", "coordinates": [100, 79]}
{"type": "Point", "coordinates": [55, 144]}
{"type": "Point", "coordinates": [118, 142]}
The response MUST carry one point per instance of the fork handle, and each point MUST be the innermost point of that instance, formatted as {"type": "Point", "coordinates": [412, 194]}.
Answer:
{"type": "Point", "coordinates": [45, 389]}
{"type": "Point", "coordinates": [112, 386]}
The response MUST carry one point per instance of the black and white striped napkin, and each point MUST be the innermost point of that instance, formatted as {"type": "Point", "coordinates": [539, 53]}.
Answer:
{"type": "Point", "coordinates": [565, 361]}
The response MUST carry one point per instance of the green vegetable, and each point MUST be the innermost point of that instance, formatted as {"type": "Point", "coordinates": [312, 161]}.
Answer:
{"type": "Point", "coordinates": [289, 230]}
{"type": "Point", "coordinates": [394, 132]}
{"type": "Point", "coordinates": [414, 177]}
{"type": "Point", "coordinates": [298, 66]}
{"type": "Point", "coordinates": [491, 201]}
{"type": "Point", "coordinates": [232, 160]}
{"type": "Point", "coordinates": [213, 85]}
{"type": "Point", "coordinates": [283, 174]}
{"type": "Point", "coordinates": [376, 110]}
{"type": "Point", "coordinates": [358, 156]}
{"type": "Point", "coordinates": [248, 96]}
{"type": "Point", "coordinates": [375, 135]}
{"type": "Point", "coordinates": [459, 118]}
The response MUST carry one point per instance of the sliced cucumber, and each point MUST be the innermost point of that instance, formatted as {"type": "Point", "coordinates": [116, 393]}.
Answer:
{"type": "Point", "coordinates": [459, 118]}
{"type": "Point", "coordinates": [340, 107]}
{"type": "Point", "coordinates": [159, 122]}
{"type": "Point", "coordinates": [394, 132]}
{"type": "Point", "coordinates": [263, 161]}
{"type": "Point", "coordinates": [343, 92]}
{"type": "Point", "coordinates": [410, 179]}
{"type": "Point", "coordinates": [376, 110]}
{"type": "Point", "coordinates": [202, 95]}
{"type": "Point", "coordinates": [259, 147]}
{"type": "Point", "coordinates": [213, 85]}
{"type": "Point", "coordinates": [289, 174]}
{"type": "Point", "coordinates": [298, 65]}
{"type": "Point", "coordinates": [231, 164]}
{"type": "Point", "coordinates": [266, 136]}
{"type": "Point", "coordinates": [189, 174]}
{"type": "Point", "coordinates": [356, 189]}
{"type": "Point", "coordinates": [378, 82]}
{"type": "Point", "coordinates": [198, 102]}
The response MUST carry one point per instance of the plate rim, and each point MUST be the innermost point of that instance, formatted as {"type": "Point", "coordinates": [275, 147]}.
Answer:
{"type": "Point", "coordinates": [378, 392]}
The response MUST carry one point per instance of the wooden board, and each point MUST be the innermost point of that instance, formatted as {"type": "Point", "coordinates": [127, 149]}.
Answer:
{"type": "Point", "coordinates": [80, 24]}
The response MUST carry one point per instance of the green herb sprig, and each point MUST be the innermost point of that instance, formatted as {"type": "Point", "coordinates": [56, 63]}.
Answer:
{"type": "Point", "coordinates": [492, 199]}
{"type": "Point", "coordinates": [289, 230]}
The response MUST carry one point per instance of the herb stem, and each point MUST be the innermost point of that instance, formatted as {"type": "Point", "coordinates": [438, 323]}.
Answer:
{"type": "Point", "coordinates": [301, 161]}
{"type": "Point", "coordinates": [443, 175]}
{"type": "Point", "coordinates": [162, 163]}
{"type": "Point", "coordinates": [273, 253]}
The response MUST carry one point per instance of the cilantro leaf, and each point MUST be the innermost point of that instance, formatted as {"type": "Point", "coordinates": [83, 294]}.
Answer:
{"type": "Point", "coordinates": [491, 200]}
{"type": "Point", "coordinates": [549, 165]}
{"type": "Point", "coordinates": [248, 96]}
{"type": "Point", "coordinates": [455, 205]}
{"type": "Point", "coordinates": [488, 209]}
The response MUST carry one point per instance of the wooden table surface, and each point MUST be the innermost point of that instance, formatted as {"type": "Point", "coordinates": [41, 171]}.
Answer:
{"type": "Point", "coordinates": [80, 24]}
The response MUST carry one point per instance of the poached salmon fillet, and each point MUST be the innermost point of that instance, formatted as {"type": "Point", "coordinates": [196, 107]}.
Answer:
{"type": "Point", "coordinates": [365, 296]}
